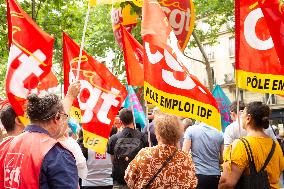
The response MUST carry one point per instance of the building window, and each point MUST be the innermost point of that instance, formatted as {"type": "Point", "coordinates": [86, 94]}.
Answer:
{"type": "Point", "coordinates": [231, 46]}
{"type": "Point", "coordinates": [209, 52]}
{"type": "Point", "coordinates": [272, 99]}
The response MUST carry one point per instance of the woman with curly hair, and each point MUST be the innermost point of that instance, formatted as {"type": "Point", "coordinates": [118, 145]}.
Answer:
{"type": "Point", "coordinates": [164, 165]}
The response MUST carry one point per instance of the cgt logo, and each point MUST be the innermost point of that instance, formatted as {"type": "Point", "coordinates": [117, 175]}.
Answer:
{"type": "Point", "coordinates": [26, 75]}
{"type": "Point", "coordinates": [181, 16]}
{"type": "Point", "coordinates": [251, 34]}
{"type": "Point", "coordinates": [12, 169]}
{"type": "Point", "coordinates": [90, 96]}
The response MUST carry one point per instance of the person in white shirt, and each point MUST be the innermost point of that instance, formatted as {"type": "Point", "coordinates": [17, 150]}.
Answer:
{"type": "Point", "coordinates": [99, 168]}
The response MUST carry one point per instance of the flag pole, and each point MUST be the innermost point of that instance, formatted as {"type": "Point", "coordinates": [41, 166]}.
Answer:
{"type": "Point", "coordinates": [148, 124]}
{"type": "Point", "coordinates": [238, 104]}
{"type": "Point", "coordinates": [269, 98]}
{"type": "Point", "coordinates": [83, 41]}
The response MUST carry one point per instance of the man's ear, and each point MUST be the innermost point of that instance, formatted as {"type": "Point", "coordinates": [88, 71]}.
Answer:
{"type": "Point", "coordinates": [18, 122]}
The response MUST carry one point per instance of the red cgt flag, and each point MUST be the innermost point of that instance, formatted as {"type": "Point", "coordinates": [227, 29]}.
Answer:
{"type": "Point", "coordinates": [133, 57]}
{"type": "Point", "coordinates": [168, 84]}
{"type": "Point", "coordinates": [30, 57]}
{"type": "Point", "coordinates": [258, 44]}
{"type": "Point", "coordinates": [100, 97]}
{"type": "Point", "coordinates": [273, 11]}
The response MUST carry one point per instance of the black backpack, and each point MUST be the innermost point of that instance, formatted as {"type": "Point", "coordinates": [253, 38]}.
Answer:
{"type": "Point", "coordinates": [125, 150]}
{"type": "Point", "coordinates": [255, 180]}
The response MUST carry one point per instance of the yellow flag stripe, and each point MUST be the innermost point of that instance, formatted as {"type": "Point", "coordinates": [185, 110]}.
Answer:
{"type": "Point", "coordinates": [182, 106]}
{"type": "Point", "coordinates": [94, 142]}
{"type": "Point", "coordinates": [262, 83]}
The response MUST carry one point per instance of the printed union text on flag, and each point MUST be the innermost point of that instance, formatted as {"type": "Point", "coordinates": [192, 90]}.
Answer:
{"type": "Point", "coordinates": [224, 106]}
{"type": "Point", "coordinates": [133, 58]}
{"type": "Point", "coordinates": [100, 97]}
{"type": "Point", "coordinates": [30, 58]}
{"type": "Point", "coordinates": [122, 16]}
{"type": "Point", "coordinates": [168, 84]}
{"type": "Point", "coordinates": [180, 13]}
{"type": "Point", "coordinates": [258, 66]}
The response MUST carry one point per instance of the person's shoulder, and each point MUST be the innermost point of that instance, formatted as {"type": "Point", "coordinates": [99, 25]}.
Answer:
{"type": "Point", "coordinates": [183, 155]}
{"type": "Point", "coordinates": [278, 150]}
{"type": "Point", "coordinates": [239, 144]}
{"type": "Point", "coordinates": [137, 133]}
{"type": "Point", "coordinates": [114, 137]}
{"type": "Point", "coordinates": [191, 128]}
{"type": "Point", "coordinates": [145, 152]}
{"type": "Point", "coordinates": [269, 131]}
{"type": "Point", "coordinates": [59, 149]}
{"type": "Point", "coordinates": [58, 156]}
{"type": "Point", "coordinates": [231, 126]}
{"type": "Point", "coordinates": [230, 129]}
{"type": "Point", "coordinates": [145, 129]}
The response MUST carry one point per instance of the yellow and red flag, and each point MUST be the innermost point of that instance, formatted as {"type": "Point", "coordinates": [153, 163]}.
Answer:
{"type": "Point", "coordinates": [133, 58]}
{"type": "Point", "coordinates": [259, 46]}
{"type": "Point", "coordinates": [100, 97]}
{"type": "Point", "coordinates": [30, 57]}
{"type": "Point", "coordinates": [123, 16]}
{"type": "Point", "coordinates": [168, 83]}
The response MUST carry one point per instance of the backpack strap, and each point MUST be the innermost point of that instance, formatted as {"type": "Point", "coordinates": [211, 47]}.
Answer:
{"type": "Point", "coordinates": [269, 156]}
{"type": "Point", "coordinates": [252, 167]}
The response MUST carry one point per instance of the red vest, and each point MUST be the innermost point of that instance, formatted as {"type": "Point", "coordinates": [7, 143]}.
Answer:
{"type": "Point", "coordinates": [21, 158]}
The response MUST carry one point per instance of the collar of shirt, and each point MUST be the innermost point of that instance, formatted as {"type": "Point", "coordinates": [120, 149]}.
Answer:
{"type": "Point", "coordinates": [127, 129]}
{"type": "Point", "coordinates": [35, 128]}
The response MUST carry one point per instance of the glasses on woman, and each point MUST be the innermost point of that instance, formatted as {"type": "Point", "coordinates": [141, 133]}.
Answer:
{"type": "Point", "coordinates": [64, 114]}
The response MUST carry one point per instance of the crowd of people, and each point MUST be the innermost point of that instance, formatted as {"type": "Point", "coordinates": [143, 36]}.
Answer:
{"type": "Point", "coordinates": [171, 152]}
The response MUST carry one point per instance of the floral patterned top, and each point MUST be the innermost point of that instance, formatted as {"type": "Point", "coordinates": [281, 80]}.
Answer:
{"type": "Point", "coordinates": [178, 173]}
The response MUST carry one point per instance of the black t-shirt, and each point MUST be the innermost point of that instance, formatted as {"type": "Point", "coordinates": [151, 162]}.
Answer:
{"type": "Point", "coordinates": [126, 132]}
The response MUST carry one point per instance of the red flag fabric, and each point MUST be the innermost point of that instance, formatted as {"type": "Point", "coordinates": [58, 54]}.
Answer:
{"type": "Point", "coordinates": [133, 57]}
{"type": "Point", "coordinates": [122, 15]}
{"type": "Point", "coordinates": [168, 84]}
{"type": "Point", "coordinates": [48, 82]}
{"type": "Point", "coordinates": [258, 67]}
{"type": "Point", "coordinates": [30, 57]}
{"type": "Point", "coordinates": [273, 11]}
{"type": "Point", "coordinates": [100, 97]}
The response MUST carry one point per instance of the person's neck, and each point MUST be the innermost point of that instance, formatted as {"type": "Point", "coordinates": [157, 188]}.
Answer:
{"type": "Point", "coordinates": [16, 132]}
{"type": "Point", "coordinates": [255, 132]}
{"type": "Point", "coordinates": [131, 126]}
{"type": "Point", "coordinates": [44, 126]}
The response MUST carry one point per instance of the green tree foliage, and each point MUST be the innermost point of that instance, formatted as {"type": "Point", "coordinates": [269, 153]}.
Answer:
{"type": "Point", "coordinates": [56, 16]}
{"type": "Point", "coordinates": [215, 13]}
